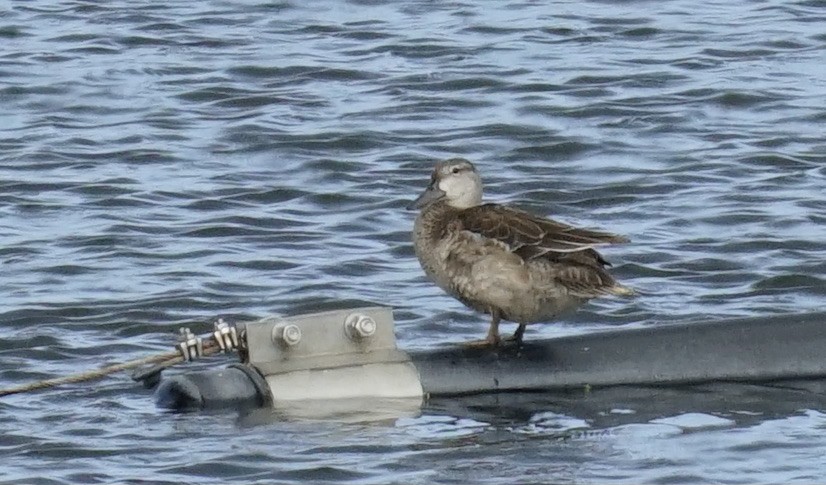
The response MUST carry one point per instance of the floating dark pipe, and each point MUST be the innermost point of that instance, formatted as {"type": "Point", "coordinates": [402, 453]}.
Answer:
{"type": "Point", "coordinates": [778, 347]}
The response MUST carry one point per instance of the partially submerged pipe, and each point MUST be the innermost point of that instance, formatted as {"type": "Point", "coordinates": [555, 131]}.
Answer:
{"type": "Point", "coordinates": [748, 350]}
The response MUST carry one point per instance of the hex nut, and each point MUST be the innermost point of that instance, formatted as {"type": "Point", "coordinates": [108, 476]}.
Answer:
{"type": "Point", "coordinates": [287, 335]}
{"type": "Point", "coordinates": [358, 326]}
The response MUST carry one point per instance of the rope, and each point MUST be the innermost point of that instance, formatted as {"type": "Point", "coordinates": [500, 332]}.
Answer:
{"type": "Point", "coordinates": [163, 360]}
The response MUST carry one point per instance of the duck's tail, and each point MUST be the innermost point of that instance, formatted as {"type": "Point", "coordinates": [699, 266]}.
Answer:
{"type": "Point", "coordinates": [622, 290]}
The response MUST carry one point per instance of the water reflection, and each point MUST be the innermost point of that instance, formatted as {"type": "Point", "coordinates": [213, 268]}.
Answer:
{"type": "Point", "coordinates": [739, 404]}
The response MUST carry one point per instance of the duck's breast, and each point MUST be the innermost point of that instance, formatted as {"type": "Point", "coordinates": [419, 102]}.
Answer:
{"type": "Point", "coordinates": [484, 271]}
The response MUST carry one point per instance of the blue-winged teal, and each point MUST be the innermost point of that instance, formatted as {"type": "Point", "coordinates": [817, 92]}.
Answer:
{"type": "Point", "coordinates": [505, 262]}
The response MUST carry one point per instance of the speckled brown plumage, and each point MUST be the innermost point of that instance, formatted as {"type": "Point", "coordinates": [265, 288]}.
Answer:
{"type": "Point", "coordinates": [502, 261]}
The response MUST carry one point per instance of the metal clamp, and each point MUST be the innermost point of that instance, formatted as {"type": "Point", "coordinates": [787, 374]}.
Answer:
{"type": "Point", "coordinates": [323, 340]}
{"type": "Point", "coordinates": [225, 335]}
{"type": "Point", "coordinates": [191, 347]}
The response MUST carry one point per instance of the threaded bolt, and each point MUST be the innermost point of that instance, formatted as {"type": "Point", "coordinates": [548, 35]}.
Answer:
{"type": "Point", "coordinates": [358, 326]}
{"type": "Point", "coordinates": [288, 335]}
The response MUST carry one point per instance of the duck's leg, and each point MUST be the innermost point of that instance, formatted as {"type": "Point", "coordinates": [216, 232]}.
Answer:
{"type": "Point", "coordinates": [493, 330]}
{"type": "Point", "coordinates": [492, 340]}
{"type": "Point", "coordinates": [517, 335]}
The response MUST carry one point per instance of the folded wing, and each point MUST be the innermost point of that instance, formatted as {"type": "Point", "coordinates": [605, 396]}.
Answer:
{"type": "Point", "coordinates": [533, 237]}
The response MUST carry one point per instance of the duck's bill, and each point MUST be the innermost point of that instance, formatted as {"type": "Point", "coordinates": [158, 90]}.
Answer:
{"type": "Point", "coordinates": [431, 194]}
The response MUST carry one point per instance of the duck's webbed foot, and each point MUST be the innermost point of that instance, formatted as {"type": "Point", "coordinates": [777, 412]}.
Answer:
{"type": "Point", "coordinates": [492, 339]}
{"type": "Point", "coordinates": [480, 344]}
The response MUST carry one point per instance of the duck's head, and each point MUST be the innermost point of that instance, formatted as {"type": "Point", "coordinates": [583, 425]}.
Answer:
{"type": "Point", "coordinates": [455, 182]}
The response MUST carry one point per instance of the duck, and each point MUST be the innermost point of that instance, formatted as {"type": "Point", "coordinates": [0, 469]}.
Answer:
{"type": "Point", "coordinates": [504, 262]}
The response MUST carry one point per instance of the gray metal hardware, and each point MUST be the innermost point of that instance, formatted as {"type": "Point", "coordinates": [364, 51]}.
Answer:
{"type": "Point", "coordinates": [287, 335]}
{"type": "Point", "coordinates": [190, 346]}
{"type": "Point", "coordinates": [225, 335]}
{"type": "Point", "coordinates": [358, 326]}
{"type": "Point", "coordinates": [341, 354]}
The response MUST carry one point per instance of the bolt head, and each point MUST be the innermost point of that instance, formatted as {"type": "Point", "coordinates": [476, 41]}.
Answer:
{"type": "Point", "coordinates": [290, 334]}
{"type": "Point", "coordinates": [360, 326]}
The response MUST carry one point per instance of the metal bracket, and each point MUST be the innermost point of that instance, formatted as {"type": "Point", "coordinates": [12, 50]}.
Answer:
{"type": "Point", "coordinates": [334, 354]}
{"type": "Point", "coordinates": [322, 340]}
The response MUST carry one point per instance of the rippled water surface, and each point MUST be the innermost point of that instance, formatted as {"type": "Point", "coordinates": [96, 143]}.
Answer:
{"type": "Point", "coordinates": [164, 163]}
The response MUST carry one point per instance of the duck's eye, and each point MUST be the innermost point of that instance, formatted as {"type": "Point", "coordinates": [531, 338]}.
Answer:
{"type": "Point", "coordinates": [455, 170]}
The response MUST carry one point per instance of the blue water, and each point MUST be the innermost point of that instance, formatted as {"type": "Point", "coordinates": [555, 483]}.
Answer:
{"type": "Point", "coordinates": [165, 163]}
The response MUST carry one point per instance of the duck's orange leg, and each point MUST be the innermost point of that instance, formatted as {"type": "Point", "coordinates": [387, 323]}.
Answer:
{"type": "Point", "coordinates": [492, 339]}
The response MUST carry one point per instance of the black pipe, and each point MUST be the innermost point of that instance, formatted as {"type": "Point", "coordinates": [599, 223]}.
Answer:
{"type": "Point", "coordinates": [779, 347]}
{"type": "Point", "coordinates": [749, 349]}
